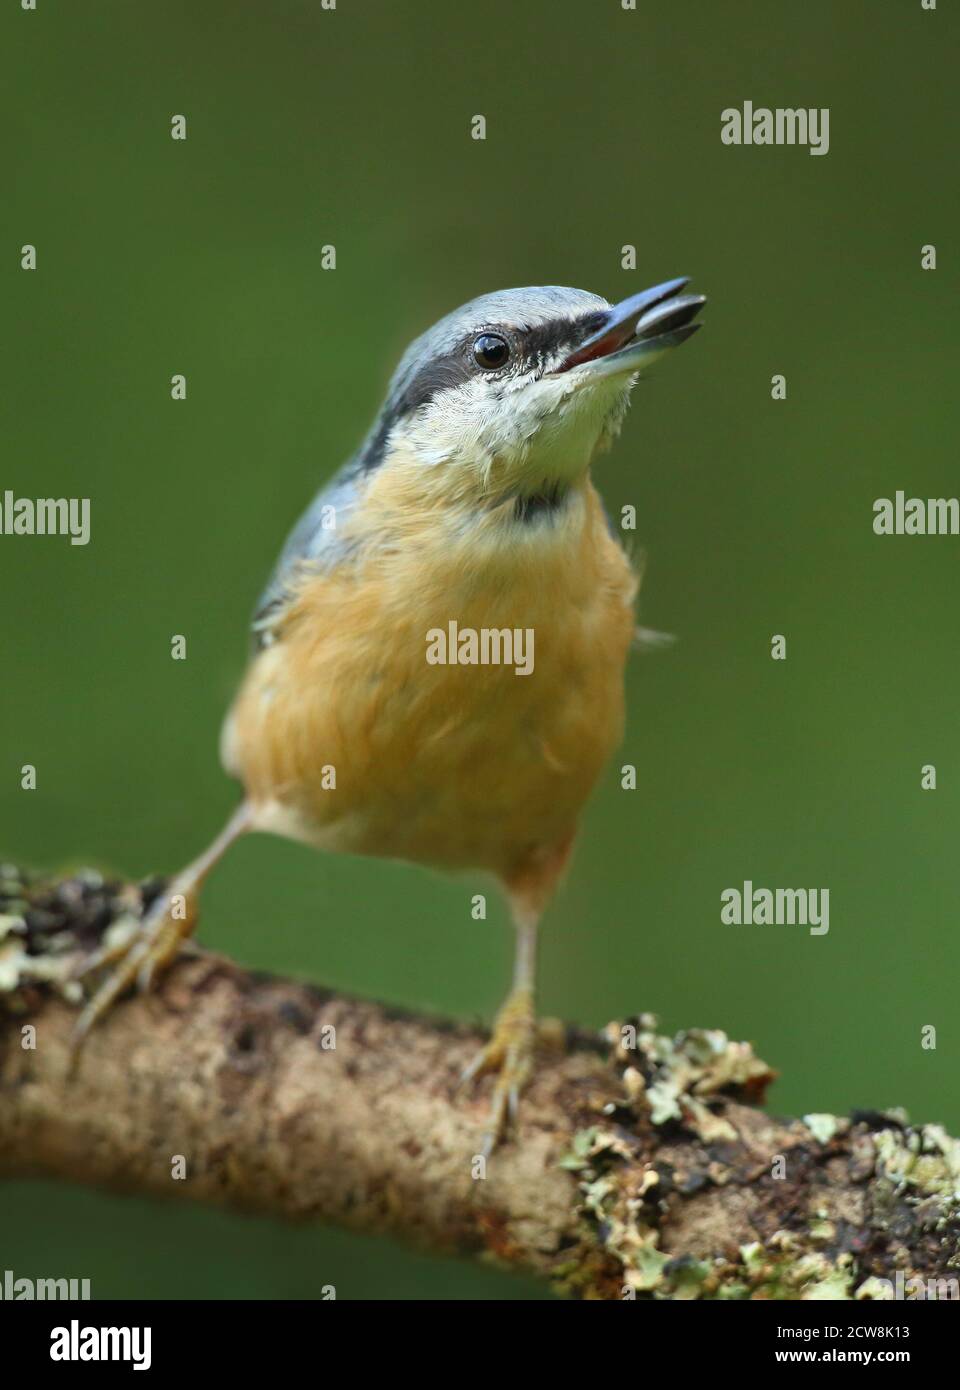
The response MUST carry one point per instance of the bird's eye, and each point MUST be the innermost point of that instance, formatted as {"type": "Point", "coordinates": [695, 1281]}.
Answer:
{"type": "Point", "coordinates": [490, 351]}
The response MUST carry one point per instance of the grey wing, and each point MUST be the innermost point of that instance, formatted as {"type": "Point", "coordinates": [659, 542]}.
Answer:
{"type": "Point", "coordinates": [314, 544]}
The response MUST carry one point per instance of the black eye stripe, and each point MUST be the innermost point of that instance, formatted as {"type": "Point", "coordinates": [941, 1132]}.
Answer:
{"type": "Point", "coordinates": [433, 377]}
{"type": "Point", "coordinates": [528, 346]}
{"type": "Point", "coordinates": [557, 335]}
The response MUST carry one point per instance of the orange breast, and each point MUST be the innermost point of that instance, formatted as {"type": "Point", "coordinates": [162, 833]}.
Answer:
{"type": "Point", "coordinates": [454, 765]}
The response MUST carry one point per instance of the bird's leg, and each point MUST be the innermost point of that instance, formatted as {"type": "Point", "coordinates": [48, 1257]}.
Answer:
{"type": "Point", "coordinates": [154, 946]}
{"type": "Point", "coordinates": [510, 1050]}
{"type": "Point", "coordinates": [512, 1046]}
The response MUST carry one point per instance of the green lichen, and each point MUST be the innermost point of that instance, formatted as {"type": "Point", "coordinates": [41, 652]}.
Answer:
{"type": "Point", "coordinates": [898, 1186]}
{"type": "Point", "coordinates": [919, 1169]}
{"type": "Point", "coordinates": [922, 1162]}
{"type": "Point", "coordinates": [824, 1127]}
{"type": "Point", "coordinates": [625, 1221]}
{"type": "Point", "coordinates": [682, 1078]}
{"type": "Point", "coordinates": [49, 927]}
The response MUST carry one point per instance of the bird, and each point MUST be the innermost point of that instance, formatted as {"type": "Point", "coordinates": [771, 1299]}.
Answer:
{"type": "Point", "coordinates": [469, 512]}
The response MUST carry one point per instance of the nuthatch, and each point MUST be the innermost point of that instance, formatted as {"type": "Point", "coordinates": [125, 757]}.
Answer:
{"type": "Point", "coordinates": [468, 509]}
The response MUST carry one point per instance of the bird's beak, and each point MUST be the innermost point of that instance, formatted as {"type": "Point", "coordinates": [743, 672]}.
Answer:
{"type": "Point", "coordinates": [637, 330]}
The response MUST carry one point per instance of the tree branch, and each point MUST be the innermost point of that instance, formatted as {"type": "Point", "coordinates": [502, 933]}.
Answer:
{"type": "Point", "coordinates": [641, 1166]}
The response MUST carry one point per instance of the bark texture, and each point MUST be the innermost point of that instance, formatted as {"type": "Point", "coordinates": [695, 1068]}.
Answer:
{"type": "Point", "coordinates": [642, 1167]}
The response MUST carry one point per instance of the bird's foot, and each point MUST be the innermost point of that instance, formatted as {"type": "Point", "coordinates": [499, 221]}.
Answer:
{"type": "Point", "coordinates": [510, 1054]}
{"type": "Point", "coordinates": [151, 949]}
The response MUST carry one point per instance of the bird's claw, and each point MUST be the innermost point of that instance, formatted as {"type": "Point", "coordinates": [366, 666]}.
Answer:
{"type": "Point", "coordinates": [137, 961]}
{"type": "Point", "coordinates": [510, 1054]}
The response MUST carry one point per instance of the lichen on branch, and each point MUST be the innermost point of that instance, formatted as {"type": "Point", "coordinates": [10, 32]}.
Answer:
{"type": "Point", "coordinates": [642, 1167]}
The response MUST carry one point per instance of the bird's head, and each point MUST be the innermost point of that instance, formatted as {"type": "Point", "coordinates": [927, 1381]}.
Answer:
{"type": "Point", "coordinates": [515, 393]}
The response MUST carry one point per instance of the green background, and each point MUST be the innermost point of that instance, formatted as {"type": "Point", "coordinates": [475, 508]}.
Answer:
{"type": "Point", "coordinates": [351, 127]}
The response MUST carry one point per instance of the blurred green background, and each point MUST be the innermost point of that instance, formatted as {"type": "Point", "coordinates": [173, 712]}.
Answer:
{"type": "Point", "coordinates": [351, 127]}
